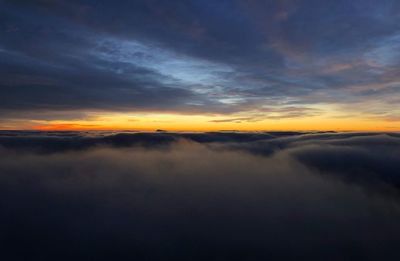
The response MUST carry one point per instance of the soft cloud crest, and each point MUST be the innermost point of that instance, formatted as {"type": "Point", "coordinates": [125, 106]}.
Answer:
{"type": "Point", "coordinates": [214, 196]}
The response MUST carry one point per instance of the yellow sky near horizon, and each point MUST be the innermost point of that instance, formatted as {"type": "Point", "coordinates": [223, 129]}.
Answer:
{"type": "Point", "coordinates": [177, 122]}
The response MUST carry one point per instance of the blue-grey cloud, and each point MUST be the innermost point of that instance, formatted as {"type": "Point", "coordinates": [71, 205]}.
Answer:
{"type": "Point", "coordinates": [197, 56]}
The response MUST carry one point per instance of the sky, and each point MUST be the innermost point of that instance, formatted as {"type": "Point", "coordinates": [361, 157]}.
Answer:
{"type": "Point", "coordinates": [200, 65]}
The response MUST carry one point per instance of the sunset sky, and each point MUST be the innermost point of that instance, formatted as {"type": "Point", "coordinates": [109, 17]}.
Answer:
{"type": "Point", "coordinates": [200, 65]}
{"type": "Point", "coordinates": [192, 130]}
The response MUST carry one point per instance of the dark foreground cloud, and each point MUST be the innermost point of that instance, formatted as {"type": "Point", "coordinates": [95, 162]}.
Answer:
{"type": "Point", "coordinates": [212, 196]}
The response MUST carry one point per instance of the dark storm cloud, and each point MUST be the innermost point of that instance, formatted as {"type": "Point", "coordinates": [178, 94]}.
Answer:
{"type": "Point", "coordinates": [196, 197]}
{"type": "Point", "coordinates": [188, 56]}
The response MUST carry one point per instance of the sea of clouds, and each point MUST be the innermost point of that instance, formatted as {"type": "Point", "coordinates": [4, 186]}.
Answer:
{"type": "Point", "coordinates": [199, 196]}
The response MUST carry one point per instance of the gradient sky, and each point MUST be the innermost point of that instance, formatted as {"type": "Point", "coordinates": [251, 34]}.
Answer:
{"type": "Point", "coordinates": [200, 65]}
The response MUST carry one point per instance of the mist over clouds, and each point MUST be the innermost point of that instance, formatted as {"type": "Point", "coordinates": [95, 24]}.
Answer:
{"type": "Point", "coordinates": [199, 196]}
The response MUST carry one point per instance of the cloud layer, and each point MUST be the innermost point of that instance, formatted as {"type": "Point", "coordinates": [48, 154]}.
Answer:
{"type": "Point", "coordinates": [200, 57]}
{"type": "Point", "coordinates": [214, 196]}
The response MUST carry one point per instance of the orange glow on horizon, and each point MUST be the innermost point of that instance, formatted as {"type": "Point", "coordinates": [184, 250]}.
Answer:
{"type": "Point", "coordinates": [204, 123]}
{"type": "Point", "coordinates": [66, 127]}
{"type": "Point", "coordinates": [330, 119]}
